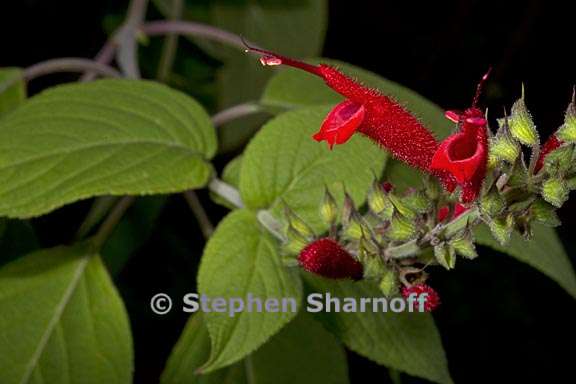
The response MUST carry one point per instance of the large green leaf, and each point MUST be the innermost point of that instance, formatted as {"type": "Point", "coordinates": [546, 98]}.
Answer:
{"type": "Point", "coordinates": [405, 341]}
{"type": "Point", "coordinates": [12, 89]}
{"type": "Point", "coordinates": [302, 352]}
{"type": "Point", "coordinates": [241, 259]}
{"type": "Point", "coordinates": [105, 137]}
{"type": "Point", "coordinates": [544, 252]}
{"type": "Point", "coordinates": [293, 88]}
{"type": "Point", "coordinates": [62, 321]}
{"type": "Point", "coordinates": [284, 163]}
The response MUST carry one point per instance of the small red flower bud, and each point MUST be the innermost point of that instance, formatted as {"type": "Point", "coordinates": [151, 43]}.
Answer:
{"type": "Point", "coordinates": [550, 145]}
{"type": "Point", "coordinates": [432, 298]}
{"type": "Point", "coordinates": [327, 258]}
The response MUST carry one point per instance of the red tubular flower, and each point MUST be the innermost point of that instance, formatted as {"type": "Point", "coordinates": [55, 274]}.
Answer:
{"type": "Point", "coordinates": [432, 298]}
{"type": "Point", "coordinates": [550, 145]}
{"type": "Point", "coordinates": [327, 258]}
{"type": "Point", "coordinates": [465, 153]}
{"type": "Point", "coordinates": [369, 112]}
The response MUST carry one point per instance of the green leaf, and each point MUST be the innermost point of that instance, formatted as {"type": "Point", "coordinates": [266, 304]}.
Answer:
{"type": "Point", "coordinates": [303, 352]}
{"type": "Point", "coordinates": [12, 89]}
{"type": "Point", "coordinates": [190, 352]}
{"type": "Point", "coordinates": [284, 163]}
{"type": "Point", "coordinates": [293, 28]}
{"type": "Point", "coordinates": [544, 252]}
{"type": "Point", "coordinates": [293, 88]}
{"type": "Point", "coordinates": [405, 341]}
{"type": "Point", "coordinates": [105, 137]}
{"type": "Point", "coordinates": [62, 320]}
{"type": "Point", "coordinates": [240, 259]}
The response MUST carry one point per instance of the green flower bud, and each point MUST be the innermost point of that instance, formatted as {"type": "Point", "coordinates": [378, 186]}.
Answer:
{"type": "Point", "coordinates": [328, 208]}
{"type": "Point", "coordinates": [521, 125]}
{"type": "Point", "coordinates": [417, 201]}
{"type": "Point", "coordinates": [297, 223]}
{"type": "Point", "coordinates": [401, 228]}
{"type": "Point", "coordinates": [501, 228]}
{"type": "Point", "coordinates": [503, 146]}
{"type": "Point", "coordinates": [389, 283]}
{"type": "Point", "coordinates": [555, 191]}
{"type": "Point", "coordinates": [357, 227]}
{"type": "Point", "coordinates": [492, 204]}
{"type": "Point", "coordinates": [519, 176]}
{"type": "Point", "coordinates": [559, 160]}
{"type": "Point", "coordinates": [571, 183]}
{"type": "Point", "coordinates": [295, 241]}
{"type": "Point", "coordinates": [445, 255]}
{"type": "Point", "coordinates": [544, 213]}
{"type": "Point", "coordinates": [377, 200]}
{"type": "Point", "coordinates": [401, 206]}
{"type": "Point", "coordinates": [567, 132]}
{"type": "Point", "coordinates": [464, 245]}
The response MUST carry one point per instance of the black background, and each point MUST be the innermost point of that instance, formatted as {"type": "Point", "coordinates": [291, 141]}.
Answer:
{"type": "Point", "coordinates": [501, 321]}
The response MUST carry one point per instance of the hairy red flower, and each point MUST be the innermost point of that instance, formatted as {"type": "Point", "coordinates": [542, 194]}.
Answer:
{"type": "Point", "coordinates": [550, 145]}
{"type": "Point", "coordinates": [327, 258]}
{"type": "Point", "coordinates": [369, 112]}
{"type": "Point", "coordinates": [464, 154]}
{"type": "Point", "coordinates": [432, 298]}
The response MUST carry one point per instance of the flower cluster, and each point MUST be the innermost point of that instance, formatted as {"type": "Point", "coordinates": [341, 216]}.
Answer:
{"type": "Point", "coordinates": [400, 234]}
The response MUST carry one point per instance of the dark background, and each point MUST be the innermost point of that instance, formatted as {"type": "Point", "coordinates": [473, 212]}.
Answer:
{"type": "Point", "coordinates": [501, 320]}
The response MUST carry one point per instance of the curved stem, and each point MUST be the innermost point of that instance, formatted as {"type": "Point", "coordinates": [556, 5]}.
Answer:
{"type": "Point", "coordinates": [226, 191]}
{"type": "Point", "coordinates": [170, 44]}
{"type": "Point", "coordinates": [105, 56]}
{"type": "Point", "coordinates": [196, 206]}
{"type": "Point", "coordinates": [68, 64]}
{"type": "Point", "coordinates": [112, 220]}
{"type": "Point", "coordinates": [127, 46]}
{"type": "Point", "coordinates": [196, 29]}
{"type": "Point", "coordinates": [235, 112]}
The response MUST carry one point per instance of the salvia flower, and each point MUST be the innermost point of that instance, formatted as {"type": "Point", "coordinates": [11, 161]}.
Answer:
{"type": "Point", "coordinates": [444, 211]}
{"type": "Point", "coordinates": [327, 258]}
{"type": "Point", "coordinates": [432, 297]}
{"type": "Point", "coordinates": [367, 111]}
{"type": "Point", "coordinates": [459, 160]}
{"type": "Point", "coordinates": [464, 154]}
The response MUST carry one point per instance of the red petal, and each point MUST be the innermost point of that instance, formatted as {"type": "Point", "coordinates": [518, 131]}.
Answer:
{"type": "Point", "coordinates": [551, 144]}
{"type": "Point", "coordinates": [341, 123]}
{"type": "Point", "coordinates": [461, 155]}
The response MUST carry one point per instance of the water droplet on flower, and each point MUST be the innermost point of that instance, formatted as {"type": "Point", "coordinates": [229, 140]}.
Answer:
{"type": "Point", "coordinates": [270, 60]}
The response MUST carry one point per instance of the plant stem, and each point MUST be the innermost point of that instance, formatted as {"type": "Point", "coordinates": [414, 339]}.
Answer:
{"type": "Point", "coordinates": [170, 45]}
{"type": "Point", "coordinates": [113, 218]}
{"type": "Point", "coordinates": [127, 45]}
{"type": "Point", "coordinates": [195, 29]}
{"type": "Point", "coordinates": [226, 191]}
{"type": "Point", "coordinates": [235, 112]}
{"type": "Point", "coordinates": [100, 207]}
{"type": "Point", "coordinates": [196, 206]}
{"type": "Point", "coordinates": [104, 56]}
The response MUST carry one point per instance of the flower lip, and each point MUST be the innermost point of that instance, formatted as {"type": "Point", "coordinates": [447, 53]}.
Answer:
{"type": "Point", "coordinates": [341, 123]}
{"type": "Point", "coordinates": [459, 154]}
